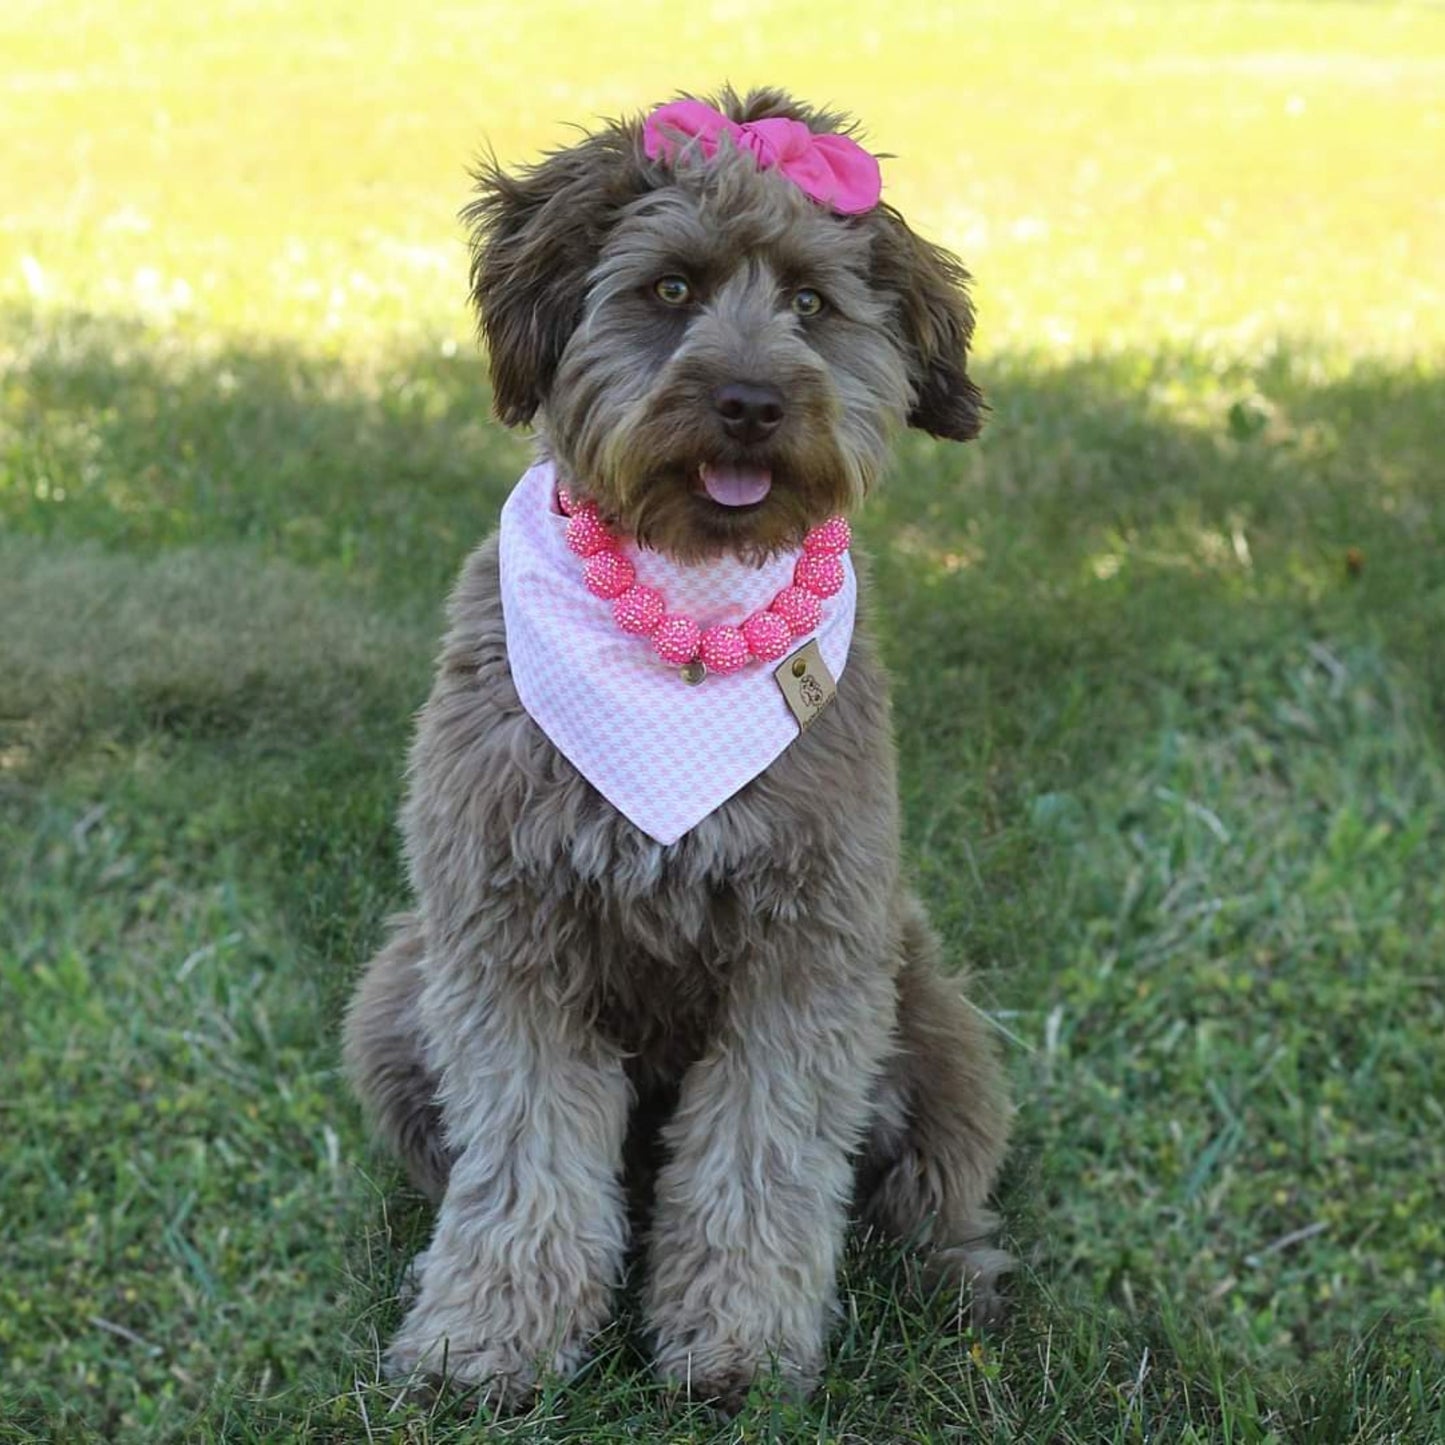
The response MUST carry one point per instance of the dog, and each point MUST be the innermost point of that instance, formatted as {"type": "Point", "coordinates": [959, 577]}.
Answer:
{"type": "Point", "coordinates": [665, 987]}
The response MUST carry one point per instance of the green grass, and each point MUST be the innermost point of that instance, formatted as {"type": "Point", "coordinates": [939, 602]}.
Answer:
{"type": "Point", "coordinates": [1167, 660]}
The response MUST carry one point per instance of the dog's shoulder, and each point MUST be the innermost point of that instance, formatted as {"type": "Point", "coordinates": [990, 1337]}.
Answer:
{"type": "Point", "coordinates": [464, 729]}
{"type": "Point", "coordinates": [474, 649]}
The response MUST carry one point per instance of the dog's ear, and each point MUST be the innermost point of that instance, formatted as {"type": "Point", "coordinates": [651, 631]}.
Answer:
{"type": "Point", "coordinates": [935, 317]}
{"type": "Point", "coordinates": [534, 237]}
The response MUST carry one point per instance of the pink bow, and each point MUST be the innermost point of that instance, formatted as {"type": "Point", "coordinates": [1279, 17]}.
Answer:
{"type": "Point", "coordinates": [833, 170]}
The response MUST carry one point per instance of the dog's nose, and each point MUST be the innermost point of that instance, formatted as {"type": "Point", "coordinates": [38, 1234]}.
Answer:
{"type": "Point", "coordinates": [749, 413]}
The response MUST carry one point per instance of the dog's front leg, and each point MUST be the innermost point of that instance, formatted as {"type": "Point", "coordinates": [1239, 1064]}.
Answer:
{"type": "Point", "coordinates": [751, 1207]}
{"type": "Point", "coordinates": [530, 1235]}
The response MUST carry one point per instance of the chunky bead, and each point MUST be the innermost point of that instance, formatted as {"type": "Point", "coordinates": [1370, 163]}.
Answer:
{"type": "Point", "coordinates": [768, 636]}
{"type": "Point", "coordinates": [723, 649]}
{"type": "Point", "coordinates": [676, 639]}
{"type": "Point", "coordinates": [608, 574]}
{"type": "Point", "coordinates": [831, 539]}
{"type": "Point", "coordinates": [564, 501]}
{"type": "Point", "coordinates": [801, 610]}
{"type": "Point", "coordinates": [639, 610]}
{"type": "Point", "coordinates": [820, 575]}
{"type": "Point", "coordinates": [587, 534]}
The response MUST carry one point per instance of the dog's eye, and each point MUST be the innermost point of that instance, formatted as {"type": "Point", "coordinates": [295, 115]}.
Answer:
{"type": "Point", "coordinates": [673, 290]}
{"type": "Point", "coordinates": [807, 302]}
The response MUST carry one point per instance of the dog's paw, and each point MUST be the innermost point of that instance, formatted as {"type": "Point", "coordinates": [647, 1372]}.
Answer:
{"type": "Point", "coordinates": [724, 1377]}
{"type": "Point", "coordinates": [500, 1376]}
{"type": "Point", "coordinates": [973, 1271]}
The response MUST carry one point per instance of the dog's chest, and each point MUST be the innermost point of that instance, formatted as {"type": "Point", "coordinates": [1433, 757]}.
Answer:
{"type": "Point", "coordinates": [642, 937]}
{"type": "Point", "coordinates": [644, 942]}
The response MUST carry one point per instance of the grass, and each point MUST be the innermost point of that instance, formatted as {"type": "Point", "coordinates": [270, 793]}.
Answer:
{"type": "Point", "coordinates": [1166, 656]}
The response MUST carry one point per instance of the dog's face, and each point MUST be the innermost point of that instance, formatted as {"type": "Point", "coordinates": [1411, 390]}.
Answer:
{"type": "Point", "coordinates": [718, 360]}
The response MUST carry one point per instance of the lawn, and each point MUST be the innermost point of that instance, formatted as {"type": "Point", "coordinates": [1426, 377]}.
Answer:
{"type": "Point", "coordinates": [1166, 645]}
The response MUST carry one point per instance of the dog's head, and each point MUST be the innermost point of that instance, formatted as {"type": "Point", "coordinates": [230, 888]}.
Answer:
{"type": "Point", "coordinates": [718, 359]}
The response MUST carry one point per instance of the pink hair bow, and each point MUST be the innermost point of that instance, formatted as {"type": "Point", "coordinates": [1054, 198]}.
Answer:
{"type": "Point", "coordinates": [833, 170]}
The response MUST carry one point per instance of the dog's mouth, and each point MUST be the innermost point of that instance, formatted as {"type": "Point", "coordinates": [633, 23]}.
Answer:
{"type": "Point", "coordinates": [712, 504]}
{"type": "Point", "coordinates": [735, 486]}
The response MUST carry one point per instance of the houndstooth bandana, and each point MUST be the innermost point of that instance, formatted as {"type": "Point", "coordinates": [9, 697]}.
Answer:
{"type": "Point", "coordinates": [663, 752]}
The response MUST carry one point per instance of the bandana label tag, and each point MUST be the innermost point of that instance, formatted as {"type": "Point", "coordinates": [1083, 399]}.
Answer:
{"type": "Point", "coordinates": [807, 685]}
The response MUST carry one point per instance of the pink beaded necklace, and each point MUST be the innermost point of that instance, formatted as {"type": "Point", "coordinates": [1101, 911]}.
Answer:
{"type": "Point", "coordinates": [642, 611]}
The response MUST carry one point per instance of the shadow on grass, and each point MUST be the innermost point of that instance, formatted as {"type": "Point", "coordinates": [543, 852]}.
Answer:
{"type": "Point", "coordinates": [1215, 490]}
{"type": "Point", "coordinates": [1129, 525]}
{"type": "Point", "coordinates": [1134, 536]}
{"type": "Point", "coordinates": [112, 433]}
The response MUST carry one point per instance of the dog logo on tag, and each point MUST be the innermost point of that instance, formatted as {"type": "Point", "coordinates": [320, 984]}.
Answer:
{"type": "Point", "coordinates": [806, 683]}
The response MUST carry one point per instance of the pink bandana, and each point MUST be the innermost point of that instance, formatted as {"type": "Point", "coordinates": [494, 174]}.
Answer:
{"type": "Point", "coordinates": [663, 752]}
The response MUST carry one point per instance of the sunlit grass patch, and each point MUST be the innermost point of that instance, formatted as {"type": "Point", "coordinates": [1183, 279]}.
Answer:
{"type": "Point", "coordinates": [1113, 172]}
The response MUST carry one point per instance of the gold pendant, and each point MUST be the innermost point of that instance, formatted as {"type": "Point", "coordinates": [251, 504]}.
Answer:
{"type": "Point", "coordinates": [693, 672]}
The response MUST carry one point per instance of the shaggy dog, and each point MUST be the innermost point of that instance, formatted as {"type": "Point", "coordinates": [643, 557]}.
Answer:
{"type": "Point", "coordinates": [715, 1045]}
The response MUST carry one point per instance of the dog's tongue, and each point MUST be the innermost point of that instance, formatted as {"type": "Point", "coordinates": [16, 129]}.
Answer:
{"type": "Point", "coordinates": [736, 486]}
